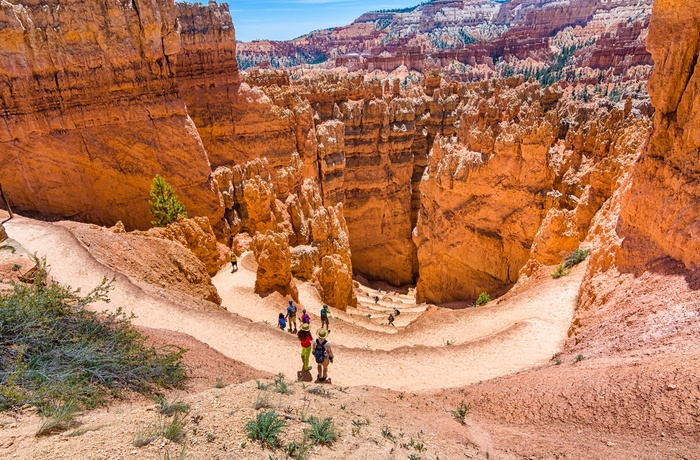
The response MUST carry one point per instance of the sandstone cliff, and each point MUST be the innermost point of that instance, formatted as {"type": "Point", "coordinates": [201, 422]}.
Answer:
{"type": "Point", "coordinates": [91, 103]}
{"type": "Point", "coordinates": [663, 205]}
{"type": "Point", "coordinates": [643, 274]}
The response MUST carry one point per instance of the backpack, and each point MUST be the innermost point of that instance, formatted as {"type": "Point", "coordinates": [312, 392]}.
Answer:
{"type": "Point", "coordinates": [292, 310]}
{"type": "Point", "coordinates": [320, 352]}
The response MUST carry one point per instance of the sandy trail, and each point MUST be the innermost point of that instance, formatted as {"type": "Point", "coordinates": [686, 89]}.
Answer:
{"type": "Point", "coordinates": [486, 342]}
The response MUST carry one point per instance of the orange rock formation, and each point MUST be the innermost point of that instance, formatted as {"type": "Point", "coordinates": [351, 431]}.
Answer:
{"type": "Point", "coordinates": [91, 112]}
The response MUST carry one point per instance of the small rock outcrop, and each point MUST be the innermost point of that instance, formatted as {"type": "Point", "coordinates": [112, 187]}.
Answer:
{"type": "Point", "coordinates": [164, 264]}
{"type": "Point", "coordinates": [274, 265]}
{"type": "Point", "coordinates": [197, 235]}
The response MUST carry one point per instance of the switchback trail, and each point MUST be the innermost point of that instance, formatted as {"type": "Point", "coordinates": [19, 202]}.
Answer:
{"type": "Point", "coordinates": [442, 348]}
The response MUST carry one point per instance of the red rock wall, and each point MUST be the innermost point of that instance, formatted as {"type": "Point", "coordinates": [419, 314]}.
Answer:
{"type": "Point", "coordinates": [91, 112]}
{"type": "Point", "coordinates": [662, 208]}
{"type": "Point", "coordinates": [237, 123]}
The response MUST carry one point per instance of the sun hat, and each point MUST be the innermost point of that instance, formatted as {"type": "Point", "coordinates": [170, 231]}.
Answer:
{"type": "Point", "coordinates": [305, 327]}
{"type": "Point", "coordinates": [322, 333]}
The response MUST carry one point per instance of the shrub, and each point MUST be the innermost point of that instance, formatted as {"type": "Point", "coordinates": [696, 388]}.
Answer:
{"type": "Point", "coordinates": [165, 206]}
{"type": "Point", "coordinates": [262, 401]}
{"type": "Point", "coordinates": [386, 433]}
{"type": "Point", "coordinates": [174, 428]}
{"type": "Point", "coordinates": [59, 419]}
{"type": "Point", "coordinates": [53, 351]}
{"type": "Point", "coordinates": [461, 412]}
{"type": "Point", "coordinates": [220, 383]}
{"type": "Point", "coordinates": [322, 432]}
{"type": "Point", "coordinates": [266, 428]}
{"type": "Point", "coordinates": [560, 271]}
{"type": "Point", "coordinates": [576, 258]}
{"type": "Point", "coordinates": [579, 358]}
{"type": "Point", "coordinates": [280, 385]}
{"type": "Point", "coordinates": [169, 408]}
{"type": "Point", "coordinates": [483, 299]}
{"type": "Point", "coordinates": [297, 450]}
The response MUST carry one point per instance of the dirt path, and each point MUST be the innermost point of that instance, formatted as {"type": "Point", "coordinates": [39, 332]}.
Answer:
{"type": "Point", "coordinates": [485, 342]}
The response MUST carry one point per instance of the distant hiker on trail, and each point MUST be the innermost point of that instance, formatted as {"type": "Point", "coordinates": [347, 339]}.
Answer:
{"type": "Point", "coordinates": [322, 353]}
{"type": "Point", "coordinates": [391, 319]}
{"type": "Point", "coordinates": [325, 312]}
{"type": "Point", "coordinates": [396, 312]}
{"type": "Point", "coordinates": [304, 318]}
{"type": "Point", "coordinates": [305, 339]}
{"type": "Point", "coordinates": [376, 299]}
{"type": "Point", "coordinates": [234, 262]}
{"type": "Point", "coordinates": [292, 316]}
{"type": "Point", "coordinates": [281, 322]}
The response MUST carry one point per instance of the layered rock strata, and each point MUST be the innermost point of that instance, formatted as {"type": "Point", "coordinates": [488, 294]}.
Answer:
{"type": "Point", "coordinates": [523, 177]}
{"type": "Point", "coordinates": [473, 33]}
{"type": "Point", "coordinates": [257, 205]}
{"type": "Point", "coordinates": [90, 103]}
{"type": "Point", "coordinates": [663, 204]}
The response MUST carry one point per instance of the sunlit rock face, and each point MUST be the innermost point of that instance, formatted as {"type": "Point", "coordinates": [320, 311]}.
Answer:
{"type": "Point", "coordinates": [91, 111]}
{"type": "Point", "coordinates": [662, 208]}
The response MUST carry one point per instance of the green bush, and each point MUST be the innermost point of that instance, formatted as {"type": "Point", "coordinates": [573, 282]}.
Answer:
{"type": "Point", "coordinates": [322, 432]}
{"type": "Point", "coordinates": [560, 271]}
{"type": "Point", "coordinates": [56, 353]}
{"type": "Point", "coordinates": [280, 385]}
{"type": "Point", "coordinates": [169, 408]}
{"type": "Point", "coordinates": [266, 428]}
{"type": "Point", "coordinates": [576, 258]}
{"type": "Point", "coordinates": [460, 414]}
{"type": "Point", "coordinates": [165, 206]}
{"type": "Point", "coordinates": [483, 299]}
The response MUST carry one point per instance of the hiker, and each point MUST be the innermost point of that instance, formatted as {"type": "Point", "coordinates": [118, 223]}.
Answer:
{"type": "Point", "coordinates": [234, 262]}
{"type": "Point", "coordinates": [325, 312]}
{"type": "Point", "coordinates": [304, 318]}
{"type": "Point", "coordinates": [305, 339]}
{"type": "Point", "coordinates": [321, 349]}
{"type": "Point", "coordinates": [396, 312]}
{"type": "Point", "coordinates": [281, 322]}
{"type": "Point", "coordinates": [391, 319]}
{"type": "Point", "coordinates": [292, 316]}
{"type": "Point", "coordinates": [376, 299]}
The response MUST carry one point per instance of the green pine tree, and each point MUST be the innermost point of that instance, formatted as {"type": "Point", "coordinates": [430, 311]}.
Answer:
{"type": "Point", "coordinates": [165, 206]}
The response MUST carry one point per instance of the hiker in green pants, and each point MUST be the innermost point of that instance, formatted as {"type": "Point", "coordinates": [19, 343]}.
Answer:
{"type": "Point", "coordinates": [305, 338]}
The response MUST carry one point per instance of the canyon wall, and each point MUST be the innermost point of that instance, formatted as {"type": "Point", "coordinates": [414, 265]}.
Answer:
{"type": "Point", "coordinates": [522, 179]}
{"type": "Point", "coordinates": [88, 104]}
{"type": "Point", "coordinates": [236, 122]}
{"type": "Point", "coordinates": [643, 277]}
{"type": "Point", "coordinates": [663, 203]}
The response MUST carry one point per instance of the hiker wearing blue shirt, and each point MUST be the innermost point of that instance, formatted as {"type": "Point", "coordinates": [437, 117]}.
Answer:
{"type": "Point", "coordinates": [325, 312]}
{"type": "Point", "coordinates": [281, 322]}
{"type": "Point", "coordinates": [292, 316]}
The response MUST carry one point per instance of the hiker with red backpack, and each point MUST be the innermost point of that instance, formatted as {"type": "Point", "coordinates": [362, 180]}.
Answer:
{"type": "Point", "coordinates": [323, 354]}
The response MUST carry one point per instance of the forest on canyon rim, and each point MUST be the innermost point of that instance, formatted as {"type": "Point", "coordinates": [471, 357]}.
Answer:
{"type": "Point", "coordinates": [461, 147]}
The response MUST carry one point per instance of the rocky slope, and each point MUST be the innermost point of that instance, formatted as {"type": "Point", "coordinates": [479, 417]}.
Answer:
{"type": "Point", "coordinates": [93, 103]}
{"type": "Point", "coordinates": [607, 34]}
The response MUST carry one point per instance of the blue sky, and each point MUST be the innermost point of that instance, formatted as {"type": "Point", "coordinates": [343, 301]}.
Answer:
{"type": "Point", "coordinates": [287, 19]}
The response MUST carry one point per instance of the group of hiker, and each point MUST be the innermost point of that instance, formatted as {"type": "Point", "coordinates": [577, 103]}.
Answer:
{"type": "Point", "coordinates": [319, 348]}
